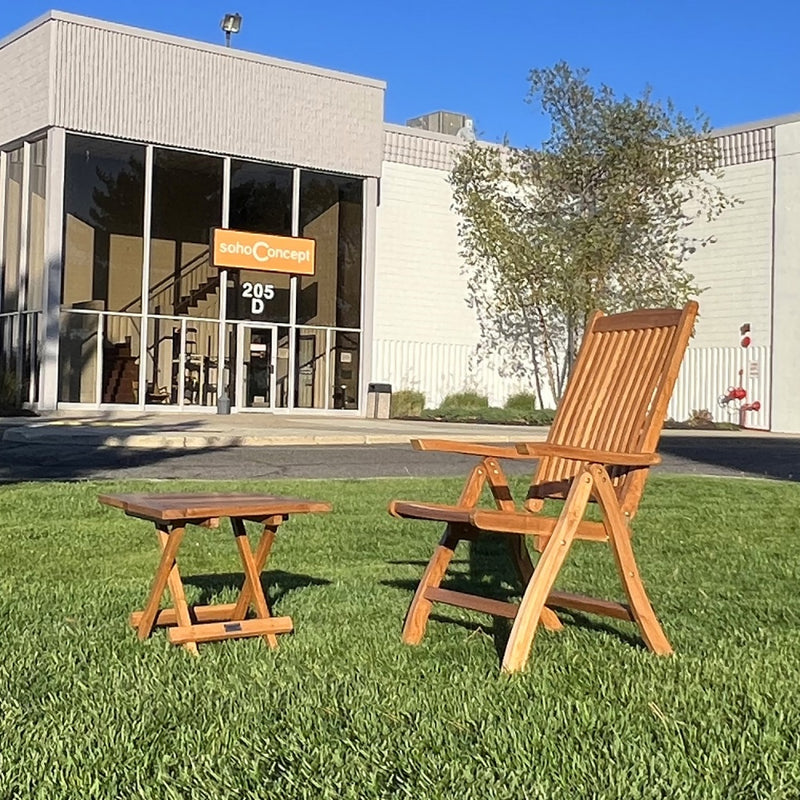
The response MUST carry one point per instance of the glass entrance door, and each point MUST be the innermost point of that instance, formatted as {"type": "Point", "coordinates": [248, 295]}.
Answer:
{"type": "Point", "coordinates": [257, 348]}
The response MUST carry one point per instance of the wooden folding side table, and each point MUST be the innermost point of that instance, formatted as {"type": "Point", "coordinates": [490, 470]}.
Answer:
{"type": "Point", "coordinates": [171, 513]}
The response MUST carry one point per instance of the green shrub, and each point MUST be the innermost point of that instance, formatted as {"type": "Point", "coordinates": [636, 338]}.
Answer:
{"type": "Point", "coordinates": [522, 401]}
{"type": "Point", "coordinates": [700, 418]}
{"type": "Point", "coordinates": [407, 403]}
{"type": "Point", "coordinates": [492, 415]}
{"type": "Point", "coordinates": [464, 400]}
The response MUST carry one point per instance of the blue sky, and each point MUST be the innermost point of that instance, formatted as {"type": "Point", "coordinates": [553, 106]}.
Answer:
{"type": "Point", "coordinates": [738, 61]}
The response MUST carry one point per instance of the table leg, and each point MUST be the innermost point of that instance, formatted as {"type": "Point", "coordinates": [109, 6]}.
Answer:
{"type": "Point", "coordinates": [176, 592]}
{"type": "Point", "coordinates": [252, 590]}
{"type": "Point", "coordinates": [170, 543]}
{"type": "Point", "coordinates": [262, 554]}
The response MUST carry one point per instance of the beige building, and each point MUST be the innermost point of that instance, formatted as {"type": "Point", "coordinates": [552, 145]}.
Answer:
{"type": "Point", "coordinates": [120, 150]}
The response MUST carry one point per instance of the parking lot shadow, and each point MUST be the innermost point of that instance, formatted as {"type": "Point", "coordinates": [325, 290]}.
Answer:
{"type": "Point", "coordinates": [766, 456]}
{"type": "Point", "coordinates": [77, 449]}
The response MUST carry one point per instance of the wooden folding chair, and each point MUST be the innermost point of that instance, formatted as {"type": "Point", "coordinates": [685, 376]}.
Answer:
{"type": "Point", "coordinates": [599, 449]}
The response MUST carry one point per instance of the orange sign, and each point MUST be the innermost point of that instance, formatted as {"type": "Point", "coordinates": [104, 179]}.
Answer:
{"type": "Point", "coordinates": [245, 250]}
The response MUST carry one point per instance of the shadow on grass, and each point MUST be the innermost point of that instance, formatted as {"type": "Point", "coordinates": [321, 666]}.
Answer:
{"type": "Point", "coordinates": [420, 563]}
{"type": "Point", "coordinates": [214, 584]}
{"type": "Point", "coordinates": [574, 619]}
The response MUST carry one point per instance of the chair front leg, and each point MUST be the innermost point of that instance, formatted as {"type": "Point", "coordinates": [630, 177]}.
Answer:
{"type": "Point", "coordinates": [620, 540]}
{"type": "Point", "coordinates": [544, 576]}
{"type": "Point", "coordinates": [420, 608]}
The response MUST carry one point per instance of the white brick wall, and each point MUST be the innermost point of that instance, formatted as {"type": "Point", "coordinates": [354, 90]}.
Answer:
{"type": "Point", "coordinates": [425, 334]}
{"type": "Point", "coordinates": [737, 268]}
{"type": "Point", "coordinates": [25, 92]}
{"type": "Point", "coordinates": [419, 292]}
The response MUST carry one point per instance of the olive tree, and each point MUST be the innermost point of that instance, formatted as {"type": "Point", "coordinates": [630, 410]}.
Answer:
{"type": "Point", "coordinates": [598, 216]}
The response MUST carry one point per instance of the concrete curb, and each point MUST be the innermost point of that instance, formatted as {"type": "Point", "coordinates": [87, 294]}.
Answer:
{"type": "Point", "coordinates": [173, 440]}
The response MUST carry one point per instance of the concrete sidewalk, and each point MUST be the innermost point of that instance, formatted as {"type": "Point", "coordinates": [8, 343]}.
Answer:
{"type": "Point", "coordinates": [196, 431]}
{"type": "Point", "coordinates": [173, 431]}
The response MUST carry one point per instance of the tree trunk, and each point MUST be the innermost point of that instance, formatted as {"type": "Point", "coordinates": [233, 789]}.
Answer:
{"type": "Point", "coordinates": [533, 344]}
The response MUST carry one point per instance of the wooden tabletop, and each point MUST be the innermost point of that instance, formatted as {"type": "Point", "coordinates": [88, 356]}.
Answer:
{"type": "Point", "coordinates": [197, 505]}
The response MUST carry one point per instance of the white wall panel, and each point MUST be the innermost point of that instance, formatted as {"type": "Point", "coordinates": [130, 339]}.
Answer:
{"type": "Point", "coordinates": [131, 84]}
{"type": "Point", "coordinates": [786, 417]}
{"type": "Point", "coordinates": [420, 293]}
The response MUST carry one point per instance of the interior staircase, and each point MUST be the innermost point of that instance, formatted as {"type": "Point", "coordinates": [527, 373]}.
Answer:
{"type": "Point", "coordinates": [198, 294]}
{"type": "Point", "coordinates": [120, 373]}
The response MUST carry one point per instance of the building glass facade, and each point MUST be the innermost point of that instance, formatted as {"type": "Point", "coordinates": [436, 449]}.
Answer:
{"type": "Point", "coordinates": [144, 318]}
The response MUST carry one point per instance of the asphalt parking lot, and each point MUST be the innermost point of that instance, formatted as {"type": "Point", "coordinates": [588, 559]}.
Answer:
{"type": "Point", "coordinates": [693, 453]}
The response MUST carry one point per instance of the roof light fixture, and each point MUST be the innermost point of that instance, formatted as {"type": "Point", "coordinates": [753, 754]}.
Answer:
{"type": "Point", "coordinates": [231, 23]}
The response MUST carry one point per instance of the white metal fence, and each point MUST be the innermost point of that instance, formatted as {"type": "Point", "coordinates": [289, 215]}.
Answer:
{"type": "Point", "coordinates": [439, 369]}
{"type": "Point", "coordinates": [707, 374]}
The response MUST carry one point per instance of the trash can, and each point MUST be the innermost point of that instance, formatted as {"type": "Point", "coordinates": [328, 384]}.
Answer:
{"type": "Point", "coordinates": [224, 404]}
{"type": "Point", "coordinates": [379, 400]}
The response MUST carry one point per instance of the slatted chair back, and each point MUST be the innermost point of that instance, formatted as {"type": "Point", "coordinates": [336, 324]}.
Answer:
{"type": "Point", "coordinates": [617, 397]}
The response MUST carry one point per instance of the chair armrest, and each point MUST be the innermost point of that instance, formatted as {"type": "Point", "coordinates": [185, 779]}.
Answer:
{"type": "Point", "coordinates": [607, 457]}
{"type": "Point", "coordinates": [470, 449]}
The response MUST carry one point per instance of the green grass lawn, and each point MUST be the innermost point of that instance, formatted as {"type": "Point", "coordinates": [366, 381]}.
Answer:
{"type": "Point", "coordinates": [344, 710]}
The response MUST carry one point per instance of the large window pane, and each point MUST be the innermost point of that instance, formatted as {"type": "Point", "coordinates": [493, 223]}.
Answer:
{"type": "Point", "coordinates": [201, 363]}
{"type": "Point", "coordinates": [331, 209]}
{"type": "Point", "coordinates": [163, 354]}
{"type": "Point", "coordinates": [12, 214]}
{"type": "Point", "coordinates": [258, 296]}
{"type": "Point", "coordinates": [259, 357]}
{"type": "Point", "coordinates": [231, 374]}
{"type": "Point", "coordinates": [311, 370]}
{"type": "Point", "coordinates": [187, 203]}
{"type": "Point", "coordinates": [282, 376]}
{"type": "Point", "coordinates": [6, 341]}
{"type": "Point", "coordinates": [344, 369]}
{"type": "Point", "coordinates": [29, 349]}
{"type": "Point", "coordinates": [36, 224]}
{"type": "Point", "coordinates": [182, 361]}
{"type": "Point", "coordinates": [77, 356]}
{"type": "Point", "coordinates": [261, 201]}
{"type": "Point", "coordinates": [261, 198]}
{"type": "Point", "coordinates": [103, 225]}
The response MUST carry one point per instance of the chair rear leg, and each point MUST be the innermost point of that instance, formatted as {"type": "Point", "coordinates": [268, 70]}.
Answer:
{"type": "Point", "coordinates": [522, 561]}
{"type": "Point", "coordinates": [620, 540]}
{"type": "Point", "coordinates": [530, 609]}
{"type": "Point", "coordinates": [420, 608]}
